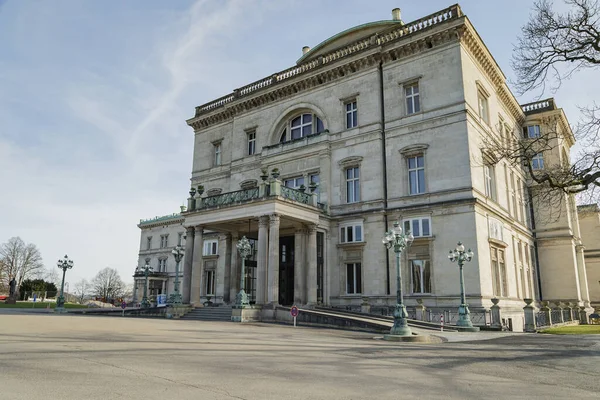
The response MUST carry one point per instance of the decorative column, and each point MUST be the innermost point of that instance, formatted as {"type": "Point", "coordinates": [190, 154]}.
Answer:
{"type": "Point", "coordinates": [187, 264]}
{"type": "Point", "coordinates": [273, 264]}
{"type": "Point", "coordinates": [197, 265]}
{"type": "Point", "coordinates": [529, 312]}
{"type": "Point", "coordinates": [234, 276]}
{"type": "Point", "coordinates": [227, 268]}
{"type": "Point", "coordinates": [299, 267]}
{"type": "Point", "coordinates": [220, 270]}
{"type": "Point", "coordinates": [261, 259]}
{"type": "Point", "coordinates": [311, 263]}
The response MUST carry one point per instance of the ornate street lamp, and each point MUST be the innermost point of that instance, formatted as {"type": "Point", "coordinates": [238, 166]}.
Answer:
{"type": "Point", "coordinates": [147, 269]}
{"type": "Point", "coordinates": [176, 298]}
{"type": "Point", "coordinates": [399, 241]}
{"type": "Point", "coordinates": [460, 255]}
{"type": "Point", "coordinates": [63, 264]}
{"type": "Point", "coordinates": [244, 248]}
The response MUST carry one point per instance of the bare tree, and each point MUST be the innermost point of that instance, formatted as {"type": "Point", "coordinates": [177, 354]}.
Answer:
{"type": "Point", "coordinates": [82, 289]}
{"type": "Point", "coordinates": [552, 48]}
{"type": "Point", "coordinates": [20, 261]}
{"type": "Point", "coordinates": [108, 284]}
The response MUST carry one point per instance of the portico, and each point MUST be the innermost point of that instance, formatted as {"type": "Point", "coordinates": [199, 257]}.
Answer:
{"type": "Point", "coordinates": [281, 224]}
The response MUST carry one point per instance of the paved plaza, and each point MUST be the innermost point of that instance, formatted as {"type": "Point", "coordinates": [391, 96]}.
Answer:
{"type": "Point", "coordinates": [84, 357]}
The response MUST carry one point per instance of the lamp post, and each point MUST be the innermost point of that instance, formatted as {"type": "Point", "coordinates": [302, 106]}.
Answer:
{"type": "Point", "coordinates": [147, 269]}
{"type": "Point", "coordinates": [244, 248]}
{"type": "Point", "coordinates": [63, 264]}
{"type": "Point", "coordinates": [178, 253]}
{"type": "Point", "coordinates": [399, 241]}
{"type": "Point", "coordinates": [460, 256]}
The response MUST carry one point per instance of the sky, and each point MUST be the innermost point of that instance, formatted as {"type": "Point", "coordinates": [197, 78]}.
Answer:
{"type": "Point", "coordinates": [94, 96]}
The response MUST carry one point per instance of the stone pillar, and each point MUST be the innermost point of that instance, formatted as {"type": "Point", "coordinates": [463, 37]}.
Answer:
{"type": "Point", "coordinates": [584, 291]}
{"type": "Point", "coordinates": [220, 270]}
{"type": "Point", "coordinates": [311, 264]}
{"type": "Point", "coordinates": [496, 314]}
{"type": "Point", "coordinates": [186, 285]}
{"type": "Point", "coordinates": [529, 313]}
{"type": "Point", "coordinates": [234, 268]}
{"type": "Point", "coordinates": [261, 259]}
{"type": "Point", "coordinates": [420, 310]}
{"type": "Point", "coordinates": [197, 266]}
{"type": "Point", "coordinates": [273, 264]}
{"type": "Point", "coordinates": [299, 267]}
{"type": "Point", "coordinates": [365, 307]}
{"type": "Point", "coordinates": [227, 274]}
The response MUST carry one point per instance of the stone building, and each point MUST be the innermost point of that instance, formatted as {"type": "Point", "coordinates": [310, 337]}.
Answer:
{"type": "Point", "coordinates": [382, 122]}
{"type": "Point", "coordinates": [589, 221]}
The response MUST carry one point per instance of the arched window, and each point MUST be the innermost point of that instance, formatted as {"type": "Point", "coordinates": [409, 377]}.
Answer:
{"type": "Point", "coordinates": [301, 126]}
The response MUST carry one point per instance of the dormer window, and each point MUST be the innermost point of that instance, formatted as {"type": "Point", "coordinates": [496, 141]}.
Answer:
{"type": "Point", "coordinates": [301, 126]}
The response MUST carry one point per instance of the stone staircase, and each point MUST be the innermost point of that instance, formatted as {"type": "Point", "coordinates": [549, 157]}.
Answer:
{"type": "Point", "coordinates": [220, 313]}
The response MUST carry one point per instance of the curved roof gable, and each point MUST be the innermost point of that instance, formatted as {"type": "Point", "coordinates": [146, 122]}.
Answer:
{"type": "Point", "coordinates": [346, 37]}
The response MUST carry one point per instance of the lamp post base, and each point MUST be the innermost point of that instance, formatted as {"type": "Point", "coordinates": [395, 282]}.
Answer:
{"type": "Point", "coordinates": [241, 299]}
{"type": "Point", "coordinates": [464, 319]}
{"type": "Point", "coordinates": [60, 305]}
{"type": "Point", "coordinates": [176, 299]}
{"type": "Point", "coordinates": [400, 327]}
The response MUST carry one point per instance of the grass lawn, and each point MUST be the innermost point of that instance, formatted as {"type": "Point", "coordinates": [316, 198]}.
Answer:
{"type": "Point", "coordinates": [574, 330]}
{"type": "Point", "coordinates": [29, 304]}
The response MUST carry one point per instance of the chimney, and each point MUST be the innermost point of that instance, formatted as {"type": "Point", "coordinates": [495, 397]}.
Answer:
{"type": "Point", "coordinates": [396, 14]}
{"type": "Point", "coordinates": [305, 50]}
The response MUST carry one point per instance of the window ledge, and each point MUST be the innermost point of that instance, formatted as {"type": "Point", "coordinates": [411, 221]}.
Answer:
{"type": "Point", "coordinates": [351, 296]}
{"type": "Point", "coordinates": [352, 244]}
{"type": "Point", "coordinates": [209, 257]}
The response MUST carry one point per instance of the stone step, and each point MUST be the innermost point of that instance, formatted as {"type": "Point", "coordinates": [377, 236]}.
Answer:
{"type": "Point", "coordinates": [209, 314]}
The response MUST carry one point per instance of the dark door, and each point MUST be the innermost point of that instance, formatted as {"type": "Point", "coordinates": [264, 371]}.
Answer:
{"type": "Point", "coordinates": [286, 270]}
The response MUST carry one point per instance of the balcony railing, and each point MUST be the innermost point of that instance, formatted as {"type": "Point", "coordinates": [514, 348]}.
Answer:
{"type": "Point", "coordinates": [240, 196]}
{"type": "Point", "coordinates": [295, 194]}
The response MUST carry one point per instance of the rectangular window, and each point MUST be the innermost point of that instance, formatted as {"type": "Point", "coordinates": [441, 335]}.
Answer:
{"type": "Point", "coordinates": [148, 242]}
{"type": "Point", "coordinates": [164, 241]}
{"type": "Point", "coordinates": [419, 227]}
{"type": "Point", "coordinates": [420, 276]}
{"type": "Point", "coordinates": [211, 248]}
{"type": "Point", "coordinates": [413, 104]}
{"type": "Point", "coordinates": [416, 174]}
{"type": "Point", "coordinates": [180, 239]}
{"type": "Point", "coordinates": [499, 284]}
{"type": "Point", "coordinates": [351, 233]}
{"type": "Point", "coordinates": [210, 283]}
{"type": "Point", "coordinates": [352, 185]}
{"type": "Point", "coordinates": [351, 115]}
{"type": "Point", "coordinates": [162, 265]}
{"type": "Point", "coordinates": [251, 142]}
{"type": "Point", "coordinates": [294, 183]}
{"type": "Point", "coordinates": [537, 162]}
{"type": "Point", "coordinates": [353, 279]}
{"type": "Point", "coordinates": [217, 151]}
{"type": "Point", "coordinates": [531, 132]}
{"type": "Point", "coordinates": [484, 111]}
{"type": "Point", "coordinates": [513, 195]}
{"type": "Point", "coordinates": [489, 175]}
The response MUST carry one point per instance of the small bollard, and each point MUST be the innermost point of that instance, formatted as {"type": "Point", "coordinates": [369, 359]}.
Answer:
{"type": "Point", "coordinates": [442, 322]}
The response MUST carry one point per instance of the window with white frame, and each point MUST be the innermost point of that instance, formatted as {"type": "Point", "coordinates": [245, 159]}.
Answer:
{"type": "Point", "coordinates": [499, 284]}
{"type": "Point", "coordinates": [537, 162]}
{"type": "Point", "coordinates": [148, 242]}
{"type": "Point", "coordinates": [532, 131]}
{"type": "Point", "coordinates": [489, 178]}
{"type": "Point", "coordinates": [420, 273]}
{"type": "Point", "coordinates": [351, 114]}
{"type": "Point", "coordinates": [217, 153]}
{"type": "Point", "coordinates": [210, 282]}
{"type": "Point", "coordinates": [484, 111]}
{"type": "Point", "coordinates": [351, 232]}
{"type": "Point", "coordinates": [353, 278]}
{"type": "Point", "coordinates": [164, 241]}
{"type": "Point", "coordinates": [294, 183]}
{"type": "Point", "coordinates": [352, 184]}
{"type": "Point", "coordinates": [411, 93]}
{"type": "Point", "coordinates": [251, 137]}
{"type": "Point", "coordinates": [301, 126]}
{"type": "Point", "coordinates": [416, 174]}
{"type": "Point", "coordinates": [211, 248]}
{"type": "Point", "coordinates": [419, 226]}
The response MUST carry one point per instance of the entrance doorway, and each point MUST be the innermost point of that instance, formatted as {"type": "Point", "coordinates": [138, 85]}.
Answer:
{"type": "Point", "coordinates": [286, 271]}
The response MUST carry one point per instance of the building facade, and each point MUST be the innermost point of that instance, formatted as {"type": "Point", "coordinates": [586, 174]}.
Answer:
{"type": "Point", "coordinates": [382, 122]}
